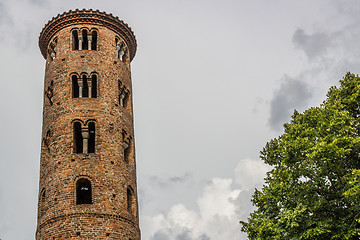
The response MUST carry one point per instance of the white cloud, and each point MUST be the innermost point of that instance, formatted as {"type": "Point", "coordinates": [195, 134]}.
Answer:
{"type": "Point", "coordinates": [249, 173]}
{"type": "Point", "coordinates": [220, 207]}
{"type": "Point", "coordinates": [217, 217]}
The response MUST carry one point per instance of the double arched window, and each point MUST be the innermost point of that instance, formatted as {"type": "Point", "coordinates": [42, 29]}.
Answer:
{"type": "Point", "coordinates": [52, 49]}
{"type": "Point", "coordinates": [124, 94]}
{"type": "Point", "coordinates": [84, 39]}
{"type": "Point", "coordinates": [121, 50]}
{"type": "Point", "coordinates": [84, 86]}
{"type": "Point", "coordinates": [126, 146]}
{"type": "Point", "coordinates": [84, 137]}
{"type": "Point", "coordinates": [83, 191]}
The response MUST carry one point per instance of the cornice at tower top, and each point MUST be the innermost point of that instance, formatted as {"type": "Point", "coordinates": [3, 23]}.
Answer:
{"type": "Point", "coordinates": [87, 17]}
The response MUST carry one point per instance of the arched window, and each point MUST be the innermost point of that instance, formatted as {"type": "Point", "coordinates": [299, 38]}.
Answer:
{"type": "Point", "coordinates": [83, 191]}
{"type": "Point", "coordinates": [121, 49]}
{"type": "Point", "coordinates": [75, 86]}
{"type": "Point", "coordinates": [93, 86]}
{"type": "Point", "coordinates": [75, 40]}
{"type": "Point", "coordinates": [52, 49]}
{"type": "Point", "coordinates": [93, 40]}
{"type": "Point", "coordinates": [130, 200]}
{"type": "Point", "coordinates": [78, 139]}
{"type": "Point", "coordinates": [123, 95]}
{"type": "Point", "coordinates": [42, 200]}
{"type": "Point", "coordinates": [127, 149]}
{"type": "Point", "coordinates": [126, 99]}
{"type": "Point", "coordinates": [85, 88]}
{"type": "Point", "coordinates": [84, 40]}
{"type": "Point", "coordinates": [91, 143]}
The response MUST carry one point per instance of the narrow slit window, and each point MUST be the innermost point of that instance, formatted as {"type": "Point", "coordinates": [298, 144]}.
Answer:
{"type": "Point", "coordinates": [94, 86]}
{"type": "Point", "coordinates": [83, 191]}
{"type": "Point", "coordinates": [127, 150]}
{"type": "Point", "coordinates": [85, 88]}
{"type": "Point", "coordinates": [42, 201]}
{"type": "Point", "coordinates": [84, 40]}
{"type": "Point", "coordinates": [130, 200]}
{"type": "Point", "coordinates": [94, 40]}
{"type": "Point", "coordinates": [91, 146]}
{"type": "Point", "coordinates": [117, 47]}
{"type": "Point", "coordinates": [78, 140]}
{"type": "Point", "coordinates": [75, 42]}
{"type": "Point", "coordinates": [75, 87]}
{"type": "Point", "coordinates": [43, 195]}
{"type": "Point", "coordinates": [126, 99]}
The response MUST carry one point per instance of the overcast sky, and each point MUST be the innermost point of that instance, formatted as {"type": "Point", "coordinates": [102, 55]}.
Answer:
{"type": "Point", "coordinates": [213, 81]}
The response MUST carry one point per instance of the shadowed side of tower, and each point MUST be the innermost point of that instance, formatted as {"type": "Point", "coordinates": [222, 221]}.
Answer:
{"type": "Point", "coordinates": [87, 187]}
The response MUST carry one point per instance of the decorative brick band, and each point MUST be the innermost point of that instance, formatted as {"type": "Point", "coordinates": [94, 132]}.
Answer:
{"type": "Point", "coordinates": [87, 17]}
{"type": "Point", "coordinates": [95, 215]}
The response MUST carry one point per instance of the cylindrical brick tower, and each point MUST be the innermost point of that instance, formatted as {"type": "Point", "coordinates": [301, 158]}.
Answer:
{"type": "Point", "coordinates": [87, 186]}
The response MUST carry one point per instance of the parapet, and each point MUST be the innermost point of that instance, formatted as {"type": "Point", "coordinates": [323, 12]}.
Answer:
{"type": "Point", "coordinates": [87, 17]}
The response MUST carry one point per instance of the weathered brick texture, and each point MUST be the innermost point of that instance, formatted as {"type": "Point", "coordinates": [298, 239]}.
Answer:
{"type": "Point", "coordinates": [110, 174]}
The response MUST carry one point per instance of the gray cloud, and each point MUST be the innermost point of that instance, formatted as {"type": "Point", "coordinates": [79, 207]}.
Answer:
{"type": "Point", "coordinates": [6, 21]}
{"type": "Point", "coordinates": [38, 2]}
{"type": "Point", "coordinates": [160, 236]}
{"type": "Point", "coordinates": [292, 94]}
{"type": "Point", "coordinates": [313, 45]}
{"type": "Point", "coordinates": [171, 180]}
{"type": "Point", "coordinates": [204, 237]}
{"type": "Point", "coordinates": [185, 235]}
{"type": "Point", "coordinates": [183, 178]}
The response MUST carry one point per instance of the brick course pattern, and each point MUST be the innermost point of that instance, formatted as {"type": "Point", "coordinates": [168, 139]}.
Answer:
{"type": "Point", "coordinates": [113, 211]}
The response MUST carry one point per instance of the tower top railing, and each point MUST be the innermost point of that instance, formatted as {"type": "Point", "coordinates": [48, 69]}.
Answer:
{"type": "Point", "coordinates": [74, 17]}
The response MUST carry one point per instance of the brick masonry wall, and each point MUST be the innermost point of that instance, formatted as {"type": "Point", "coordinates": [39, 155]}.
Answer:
{"type": "Point", "coordinates": [59, 217]}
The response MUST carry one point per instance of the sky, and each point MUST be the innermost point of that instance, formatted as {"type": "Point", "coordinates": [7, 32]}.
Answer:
{"type": "Point", "coordinates": [213, 81]}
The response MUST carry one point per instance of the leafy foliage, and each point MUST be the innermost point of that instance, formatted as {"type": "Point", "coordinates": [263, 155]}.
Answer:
{"type": "Point", "coordinates": [313, 190]}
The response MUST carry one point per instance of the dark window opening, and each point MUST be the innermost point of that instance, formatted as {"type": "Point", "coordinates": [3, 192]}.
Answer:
{"type": "Point", "coordinates": [85, 89]}
{"type": "Point", "coordinates": [94, 40]}
{"type": "Point", "coordinates": [84, 40]}
{"type": "Point", "coordinates": [83, 191]}
{"type": "Point", "coordinates": [43, 195]}
{"type": "Point", "coordinates": [75, 87]}
{"type": "Point", "coordinates": [91, 142]}
{"type": "Point", "coordinates": [93, 86]}
{"type": "Point", "coordinates": [127, 149]}
{"type": "Point", "coordinates": [75, 42]}
{"type": "Point", "coordinates": [126, 99]}
{"type": "Point", "coordinates": [78, 140]}
{"type": "Point", "coordinates": [130, 196]}
{"type": "Point", "coordinates": [42, 200]}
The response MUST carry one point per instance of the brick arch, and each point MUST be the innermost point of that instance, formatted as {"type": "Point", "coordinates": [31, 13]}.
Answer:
{"type": "Point", "coordinates": [77, 120]}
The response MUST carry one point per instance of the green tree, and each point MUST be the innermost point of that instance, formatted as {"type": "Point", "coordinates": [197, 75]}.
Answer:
{"type": "Point", "coordinates": [313, 189]}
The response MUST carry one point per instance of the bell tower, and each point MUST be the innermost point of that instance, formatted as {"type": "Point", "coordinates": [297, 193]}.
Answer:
{"type": "Point", "coordinates": [87, 187]}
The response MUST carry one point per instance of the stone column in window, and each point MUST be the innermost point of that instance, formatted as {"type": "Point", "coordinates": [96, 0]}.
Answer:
{"type": "Point", "coordinates": [85, 135]}
{"type": "Point", "coordinates": [89, 82]}
{"type": "Point", "coordinates": [126, 148]}
{"type": "Point", "coordinates": [89, 42]}
{"type": "Point", "coordinates": [80, 42]}
{"type": "Point", "coordinates": [122, 52]}
{"type": "Point", "coordinates": [81, 84]}
{"type": "Point", "coordinates": [117, 51]}
{"type": "Point", "coordinates": [122, 97]}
